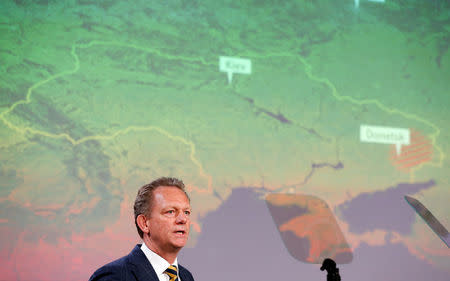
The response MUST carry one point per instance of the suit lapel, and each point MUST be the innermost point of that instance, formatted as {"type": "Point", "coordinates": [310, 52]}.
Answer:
{"type": "Point", "coordinates": [183, 274]}
{"type": "Point", "coordinates": [142, 268]}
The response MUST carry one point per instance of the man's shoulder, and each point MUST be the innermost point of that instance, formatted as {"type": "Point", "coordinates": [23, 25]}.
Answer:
{"type": "Point", "coordinates": [115, 270]}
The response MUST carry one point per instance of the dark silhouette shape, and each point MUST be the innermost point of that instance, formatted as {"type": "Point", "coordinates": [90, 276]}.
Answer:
{"type": "Point", "coordinates": [333, 272]}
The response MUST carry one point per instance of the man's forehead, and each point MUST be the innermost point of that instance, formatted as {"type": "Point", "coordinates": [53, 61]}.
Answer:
{"type": "Point", "coordinates": [168, 189]}
{"type": "Point", "coordinates": [170, 193]}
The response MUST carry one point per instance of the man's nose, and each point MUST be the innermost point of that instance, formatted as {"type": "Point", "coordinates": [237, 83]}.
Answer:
{"type": "Point", "coordinates": [181, 218]}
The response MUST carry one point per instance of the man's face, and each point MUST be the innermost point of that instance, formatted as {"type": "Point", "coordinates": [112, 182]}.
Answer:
{"type": "Point", "coordinates": [169, 220]}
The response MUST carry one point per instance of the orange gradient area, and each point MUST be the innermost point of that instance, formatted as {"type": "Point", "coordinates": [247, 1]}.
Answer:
{"type": "Point", "coordinates": [419, 151]}
{"type": "Point", "coordinates": [308, 228]}
{"type": "Point", "coordinates": [71, 258]}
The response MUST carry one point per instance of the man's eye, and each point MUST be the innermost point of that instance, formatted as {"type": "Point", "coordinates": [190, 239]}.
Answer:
{"type": "Point", "coordinates": [187, 212]}
{"type": "Point", "coordinates": [170, 211]}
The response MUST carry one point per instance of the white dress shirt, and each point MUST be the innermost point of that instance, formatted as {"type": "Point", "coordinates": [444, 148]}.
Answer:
{"type": "Point", "coordinates": [159, 264]}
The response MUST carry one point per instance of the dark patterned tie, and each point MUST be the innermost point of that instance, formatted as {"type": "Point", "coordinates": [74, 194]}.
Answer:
{"type": "Point", "coordinates": [172, 272]}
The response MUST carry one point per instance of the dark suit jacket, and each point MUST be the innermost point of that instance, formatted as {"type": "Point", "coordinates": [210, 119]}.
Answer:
{"type": "Point", "coordinates": [133, 267]}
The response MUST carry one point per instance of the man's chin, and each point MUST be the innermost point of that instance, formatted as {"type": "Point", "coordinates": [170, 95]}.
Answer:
{"type": "Point", "coordinates": [179, 243]}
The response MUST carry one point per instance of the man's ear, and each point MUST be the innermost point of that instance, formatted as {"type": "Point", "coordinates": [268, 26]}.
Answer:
{"type": "Point", "coordinates": [142, 222]}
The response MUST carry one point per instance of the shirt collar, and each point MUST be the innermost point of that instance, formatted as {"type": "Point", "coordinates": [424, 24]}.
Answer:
{"type": "Point", "coordinates": [159, 264]}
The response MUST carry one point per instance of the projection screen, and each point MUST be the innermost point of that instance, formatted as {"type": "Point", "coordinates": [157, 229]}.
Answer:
{"type": "Point", "coordinates": [298, 127]}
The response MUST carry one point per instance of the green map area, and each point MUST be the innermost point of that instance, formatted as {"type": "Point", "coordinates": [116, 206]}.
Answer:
{"type": "Point", "coordinates": [98, 98]}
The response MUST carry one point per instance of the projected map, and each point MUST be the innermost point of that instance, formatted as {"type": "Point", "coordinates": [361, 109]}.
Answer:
{"type": "Point", "coordinates": [328, 99]}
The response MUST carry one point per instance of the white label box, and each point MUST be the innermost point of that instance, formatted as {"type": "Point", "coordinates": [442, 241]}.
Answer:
{"type": "Point", "coordinates": [232, 65]}
{"type": "Point", "coordinates": [385, 135]}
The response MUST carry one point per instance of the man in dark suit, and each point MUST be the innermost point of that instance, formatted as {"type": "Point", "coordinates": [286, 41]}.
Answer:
{"type": "Point", "coordinates": [162, 217]}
